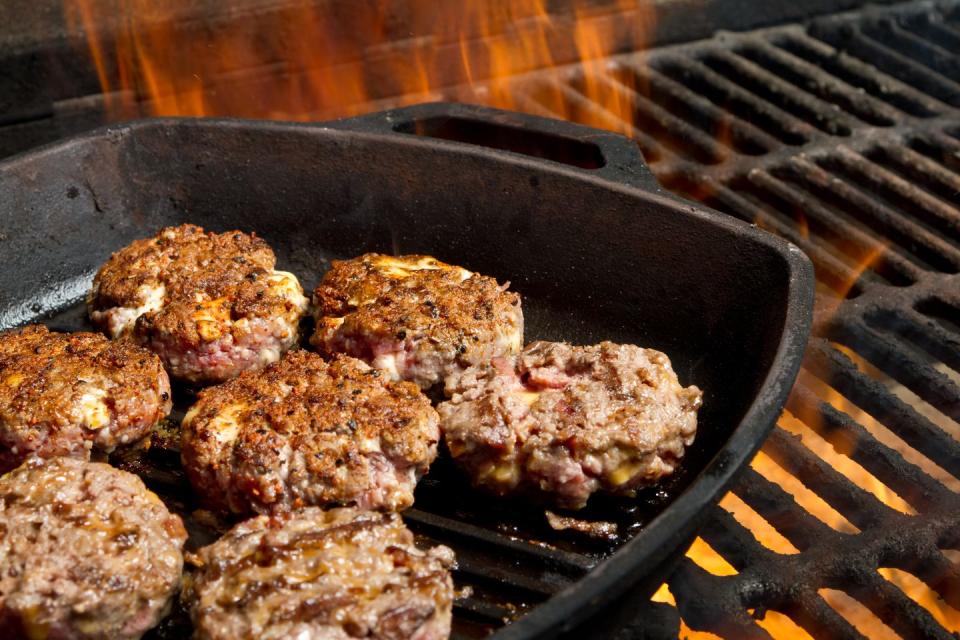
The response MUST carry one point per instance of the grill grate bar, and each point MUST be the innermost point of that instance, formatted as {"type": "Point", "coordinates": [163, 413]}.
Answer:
{"type": "Point", "coordinates": [922, 492]}
{"type": "Point", "coordinates": [712, 602]}
{"type": "Point", "coordinates": [848, 564]}
{"type": "Point", "coordinates": [778, 507]}
{"type": "Point", "coordinates": [949, 143]}
{"type": "Point", "coordinates": [927, 173]}
{"type": "Point", "coordinates": [936, 571]}
{"type": "Point", "coordinates": [833, 269]}
{"type": "Point", "coordinates": [772, 88]}
{"type": "Point", "coordinates": [937, 31]}
{"type": "Point", "coordinates": [859, 73]}
{"type": "Point", "coordinates": [923, 51]}
{"type": "Point", "coordinates": [742, 104]}
{"type": "Point", "coordinates": [819, 618]}
{"type": "Point", "coordinates": [946, 35]}
{"type": "Point", "coordinates": [950, 539]}
{"type": "Point", "coordinates": [733, 541]}
{"type": "Point", "coordinates": [935, 211]}
{"type": "Point", "coordinates": [944, 313]}
{"type": "Point", "coordinates": [908, 619]}
{"type": "Point", "coordinates": [851, 237]}
{"type": "Point", "coordinates": [859, 506]}
{"type": "Point", "coordinates": [907, 69]}
{"type": "Point", "coordinates": [807, 77]}
{"type": "Point", "coordinates": [862, 209]}
{"type": "Point", "coordinates": [682, 135]}
{"type": "Point", "coordinates": [916, 430]}
{"type": "Point", "coordinates": [744, 136]}
{"type": "Point", "coordinates": [917, 375]}
{"type": "Point", "coordinates": [921, 331]}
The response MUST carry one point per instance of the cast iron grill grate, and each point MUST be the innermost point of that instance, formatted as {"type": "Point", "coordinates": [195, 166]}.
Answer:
{"type": "Point", "coordinates": [843, 136]}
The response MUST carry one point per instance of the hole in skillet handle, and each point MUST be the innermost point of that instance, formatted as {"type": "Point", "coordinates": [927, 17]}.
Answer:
{"type": "Point", "coordinates": [569, 151]}
{"type": "Point", "coordinates": [601, 153]}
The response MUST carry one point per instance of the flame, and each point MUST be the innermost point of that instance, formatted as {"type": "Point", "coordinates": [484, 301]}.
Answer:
{"type": "Point", "coordinates": [866, 261]}
{"type": "Point", "coordinates": [780, 625]}
{"type": "Point", "coordinates": [307, 64]}
{"type": "Point", "coordinates": [926, 597]}
{"type": "Point", "coordinates": [858, 615]}
{"type": "Point", "coordinates": [664, 595]}
{"type": "Point", "coordinates": [316, 64]}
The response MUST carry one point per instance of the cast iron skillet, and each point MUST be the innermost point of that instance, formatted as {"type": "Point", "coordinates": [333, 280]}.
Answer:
{"type": "Point", "coordinates": [570, 215]}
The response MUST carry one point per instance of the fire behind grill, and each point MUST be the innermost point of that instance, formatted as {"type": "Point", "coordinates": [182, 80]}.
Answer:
{"type": "Point", "coordinates": [844, 136]}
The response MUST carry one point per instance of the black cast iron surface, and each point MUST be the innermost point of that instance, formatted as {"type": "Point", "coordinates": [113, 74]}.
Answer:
{"type": "Point", "coordinates": [843, 135]}
{"type": "Point", "coordinates": [568, 214]}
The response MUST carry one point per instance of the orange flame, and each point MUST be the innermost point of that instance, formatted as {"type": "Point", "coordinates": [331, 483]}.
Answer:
{"type": "Point", "coordinates": [312, 64]}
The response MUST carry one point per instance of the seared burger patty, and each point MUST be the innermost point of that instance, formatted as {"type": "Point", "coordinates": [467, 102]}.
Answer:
{"type": "Point", "coordinates": [62, 394]}
{"type": "Point", "coordinates": [562, 422]}
{"type": "Point", "coordinates": [210, 305]}
{"type": "Point", "coordinates": [86, 552]}
{"type": "Point", "coordinates": [308, 432]}
{"type": "Point", "coordinates": [414, 316]}
{"type": "Point", "coordinates": [335, 574]}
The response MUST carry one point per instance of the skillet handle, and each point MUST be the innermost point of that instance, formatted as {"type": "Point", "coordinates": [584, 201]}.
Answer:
{"type": "Point", "coordinates": [594, 151]}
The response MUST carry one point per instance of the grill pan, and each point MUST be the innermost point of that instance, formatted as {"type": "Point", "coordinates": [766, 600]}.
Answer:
{"type": "Point", "coordinates": [569, 215]}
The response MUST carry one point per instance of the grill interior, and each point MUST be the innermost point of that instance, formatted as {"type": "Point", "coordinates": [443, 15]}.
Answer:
{"type": "Point", "coordinates": [842, 135]}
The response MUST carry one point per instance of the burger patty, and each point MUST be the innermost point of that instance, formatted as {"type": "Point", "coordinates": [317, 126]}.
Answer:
{"type": "Point", "coordinates": [415, 317]}
{"type": "Point", "coordinates": [62, 394]}
{"type": "Point", "coordinates": [307, 432]}
{"type": "Point", "coordinates": [86, 551]}
{"type": "Point", "coordinates": [562, 422]}
{"type": "Point", "coordinates": [210, 305]}
{"type": "Point", "coordinates": [337, 574]}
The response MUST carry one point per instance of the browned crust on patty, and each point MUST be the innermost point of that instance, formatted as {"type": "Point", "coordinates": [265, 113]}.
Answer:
{"type": "Point", "coordinates": [185, 260]}
{"type": "Point", "coordinates": [223, 274]}
{"type": "Point", "coordinates": [342, 573]}
{"type": "Point", "coordinates": [435, 311]}
{"type": "Point", "coordinates": [561, 422]}
{"type": "Point", "coordinates": [86, 551]}
{"type": "Point", "coordinates": [44, 377]}
{"type": "Point", "coordinates": [307, 432]}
